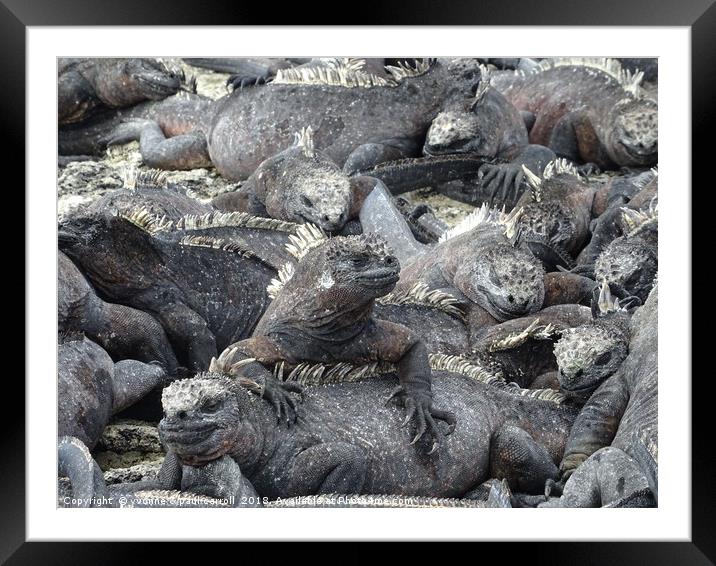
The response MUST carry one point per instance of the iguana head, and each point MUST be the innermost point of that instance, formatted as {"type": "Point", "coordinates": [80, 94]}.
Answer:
{"type": "Point", "coordinates": [629, 267]}
{"type": "Point", "coordinates": [128, 81]}
{"type": "Point", "coordinates": [482, 125]}
{"type": "Point", "coordinates": [205, 418]}
{"type": "Point", "coordinates": [588, 354]}
{"type": "Point", "coordinates": [505, 281]}
{"type": "Point", "coordinates": [361, 267]}
{"type": "Point", "coordinates": [301, 184]}
{"type": "Point", "coordinates": [633, 139]}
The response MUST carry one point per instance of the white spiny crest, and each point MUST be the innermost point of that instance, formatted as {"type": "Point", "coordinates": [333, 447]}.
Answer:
{"type": "Point", "coordinates": [317, 374]}
{"type": "Point", "coordinates": [150, 223]}
{"type": "Point", "coordinates": [486, 215]}
{"type": "Point", "coordinates": [216, 244]}
{"type": "Point", "coordinates": [344, 71]}
{"type": "Point", "coordinates": [277, 283]}
{"type": "Point", "coordinates": [558, 167]}
{"type": "Point", "coordinates": [516, 339]}
{"type": "Point", "coordinates": [404, 70]}
{"type": "Point", "coordinates": [307, 237]}
{"type": "Point", "coordinates": [304, 140]}
{"type": "Point", "coordinates": [631, 83]}
{"type": "Point", "coordinates": [636, 221]}
{"type": "Point", "coordinates": [483, 86]}
{"type": "Point", "coordinates": [133, 178]}
{"type": "Point", "coordinates": [534, 182]}
{"type": "Point", "coordinates": [606, 302]}
{"type": "Point", "coordinates": [458, 364]}
{"type": "Point", "coordinates": [233, 219]}
{"type": "Point", "coordinates": [420, 294]}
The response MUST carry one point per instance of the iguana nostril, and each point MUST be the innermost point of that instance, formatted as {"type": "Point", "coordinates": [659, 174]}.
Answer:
{"type": "Point", "coordinates": [510, 298]}
{"type": "Point", "coordinates": [181, 415]}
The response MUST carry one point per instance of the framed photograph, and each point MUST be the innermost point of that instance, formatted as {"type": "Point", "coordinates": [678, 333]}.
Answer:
{"type": "Point", "coordinates": [383, 279]}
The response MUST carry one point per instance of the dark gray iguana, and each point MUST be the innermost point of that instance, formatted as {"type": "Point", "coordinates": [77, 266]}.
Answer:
{"type": "Point", "coordinates": [126, 333]}
{"type": "Point", "coordinates": [322, 313]}
{"type": "Point", "coordinates": [91, 387]}
{"type": "Point", "coordinates": [589, 110]}
{"type": "Point", "coordinates": [357, 117]}
{"type": "Point", "coordinates": [622, 412]}
{"type": "Point", "coordinates": [300, 184]}
{"type": "Point", "coordinates": [205, 292]}
{"type": "Point", "coordinates": [348, 440]}
{"type": "Point", "coordinates": [85, 86]}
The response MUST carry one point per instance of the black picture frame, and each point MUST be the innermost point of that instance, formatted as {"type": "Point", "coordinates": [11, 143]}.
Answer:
{"type": "Point", "coordinates": [699, 15]}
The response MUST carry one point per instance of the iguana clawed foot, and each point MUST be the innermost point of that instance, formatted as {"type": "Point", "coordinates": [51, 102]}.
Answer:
{"type": "Point", "coordinates": [278, 393]}
{"type": "Point", "coordinates": [501, 180]}
{"type": "Point", "coordinates": [419, 408]}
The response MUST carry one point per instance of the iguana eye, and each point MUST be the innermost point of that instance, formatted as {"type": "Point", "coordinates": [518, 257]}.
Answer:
{"type": "Point", "coordinates": [212, 406]}
{"type": "Point", "coordinates": [359, 261]}
{"type": "Point", "coordinates": [306, 201]}
{"type": "Point", "coordinates": [603, 358]}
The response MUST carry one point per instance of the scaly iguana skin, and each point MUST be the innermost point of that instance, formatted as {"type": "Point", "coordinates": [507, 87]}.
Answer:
{"type": "Point", "coordinates": [205, 293]}
{"type": "Point", "coordinates": [487, 126]}
{"type": "Point", "coordinates": [323, 314]}
{"type": "Point", "coordinates": [633, 192]}
{"type": "Point", "coordinates": [300, 184]}
{"type": "Point", "coordinates": [629, 264]}
{"type": "Point", "coordinates": [608, 478]}
{"type": "Point", "coordinates": [217, 484]}
{"type": "Point", "coordinates": [622, 412]}
{"type": "Point", "coordinates": [85, 86]}
{"type": "Point", "coordinates": [586, 109]}
{"type": "Point", "coordinates": [348, 440]}
{"type": "Point", "coordinates": [556, 214]}
{"type": "Point", "coordinates": [126, 333]}
{"type": "Point", "coordinates": [357, 117]}
{"type": "Point", "coordinates": [91, 387]}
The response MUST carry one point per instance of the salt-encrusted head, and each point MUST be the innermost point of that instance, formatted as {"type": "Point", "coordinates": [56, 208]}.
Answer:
{"type": "Point", "coordinates": [629, 267]}
{"type": "Point", "coordinates": [505, 281]}
{"type": "Point", "coordinates": [587, 355]}
{"type": "Point", "coordinates": [302, 184]}
{"type": "Point", "coordinates": [634, 133]}
{"type": "Point", "coordinates": [203, 417]}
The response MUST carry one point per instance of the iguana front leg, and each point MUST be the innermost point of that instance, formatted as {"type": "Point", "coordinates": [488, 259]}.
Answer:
{"type": "Point", "coordinates": [185, 151]}
{"type": "Point", "coordinates": [395, 343]}
{"type": "Point", "coordinates": [503, 181]}
{"type": "Point", "coordinates": [190, 331]}
{"type": "Point", "coordinates": [596, 424]}
{"type": "Point", "coordinates": [249, 358]}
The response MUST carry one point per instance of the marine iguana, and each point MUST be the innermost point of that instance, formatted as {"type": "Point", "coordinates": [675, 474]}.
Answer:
{"type": "Point", "coordinates": [634, 192]}
{"type": "Point", "coordinates": [556, 213]}
{"type": "Point", "coordinates": [608, 478]}
{"type": "Point", "coordinates": [323, 313]}
{"type": "Point", "coordinates": [478, 263]}
{"type": "Point", "coordinates": [629, 264]}
{"type": "Point", "coordinates": [91, 387]}
{"type": "Point", "coordinates": [358, 117]}
{"type": "Point", "coordinates": [489, 126]}
{"type": "Point", "coordinates": [205, 292]}
{"type": "Point", "coordinates": [85, 86]}
{"type": "Point", "coordinates": [589, 110]}
{"type": "Point", "coordinates": [125, 333]}
{"type": "Point", "coordinates": [348, 440]}
{"type": "Point", "coordinates": [219, 483]}
{"type": "Point", "coordinates": [300, 184]}
{"type": "Point", "coordinates": [622, 412]}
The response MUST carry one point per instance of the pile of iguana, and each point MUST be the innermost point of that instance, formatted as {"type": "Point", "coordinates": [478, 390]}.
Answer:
{"type": "Point", "coordinates": [323, 342]}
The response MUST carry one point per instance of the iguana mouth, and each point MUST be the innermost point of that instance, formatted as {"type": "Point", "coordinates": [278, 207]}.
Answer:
{"type": "Point", "coordinates": [379, 278]}
{"type": "Point", "coordinates": [159, 85]}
